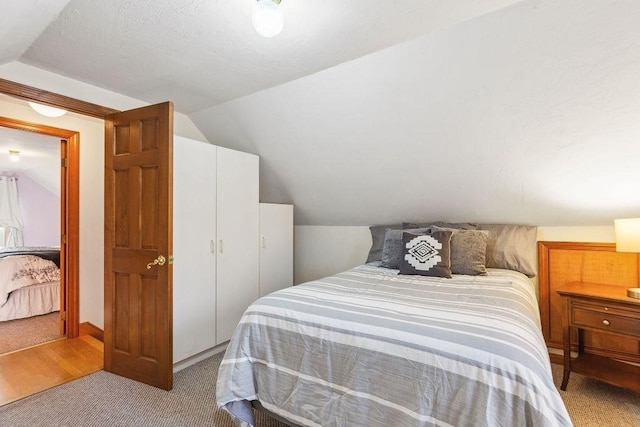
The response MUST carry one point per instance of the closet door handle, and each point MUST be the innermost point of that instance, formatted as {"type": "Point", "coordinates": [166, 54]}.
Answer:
{"type": "Point", "coordinates": [212, 246]}
{"type": "Point", "coordinates": [220, 246]}
{"type": "Point", "coordinates": [264, 242]}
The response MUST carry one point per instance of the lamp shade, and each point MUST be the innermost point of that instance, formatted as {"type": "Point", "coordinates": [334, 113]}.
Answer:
{"type": "Point", "coordinates": [267, 18]}
{"type": "Point", "coordinates": [627, 235]}
{"type": "Point", "coordinates": [47, 110]}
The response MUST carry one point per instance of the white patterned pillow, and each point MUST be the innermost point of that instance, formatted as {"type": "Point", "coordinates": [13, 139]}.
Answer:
{"type": "Point", "coordinates": [427, 254]}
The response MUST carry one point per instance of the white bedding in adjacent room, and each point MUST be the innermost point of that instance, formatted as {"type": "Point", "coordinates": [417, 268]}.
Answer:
{"type": "Point", "coordinates": [32, 300]}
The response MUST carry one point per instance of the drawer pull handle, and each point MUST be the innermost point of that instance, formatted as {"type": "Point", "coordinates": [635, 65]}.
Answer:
{"type": "Point", "coordinates": [605, 322]}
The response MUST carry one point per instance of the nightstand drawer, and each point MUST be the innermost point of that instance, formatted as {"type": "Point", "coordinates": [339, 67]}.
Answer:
{"type": "Point", "coordinates": [597, 319]}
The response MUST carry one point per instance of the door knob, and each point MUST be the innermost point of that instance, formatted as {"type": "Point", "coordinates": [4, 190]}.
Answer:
{"type": "Point", "coordinates": [158, 261]}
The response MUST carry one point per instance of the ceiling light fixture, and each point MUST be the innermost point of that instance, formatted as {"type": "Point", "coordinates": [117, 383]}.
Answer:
{"type": "Point", "coordinates": [267, 18]}
{"type": "Point", "coordinates": [46, 110]}
{"type": "Point", "coordinates": [14, 155]}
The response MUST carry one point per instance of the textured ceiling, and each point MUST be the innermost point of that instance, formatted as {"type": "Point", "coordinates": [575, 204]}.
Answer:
{"type": "Point", "coordinates": [21, 22]}
{"type": "Point", "coordinates": [367, 112]}
{"type": "Point", "coordinates": [200, 53]}
{"type": "Point", "coordinates": [528, 115]}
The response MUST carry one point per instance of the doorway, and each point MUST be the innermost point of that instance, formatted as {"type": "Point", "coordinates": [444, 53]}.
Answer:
{"type": "Point", "coordinates": [30, 170]}
{"type": "Point", "coordinates": [69, 219]}
{"type": "Point", "coordinates": [91, 347]}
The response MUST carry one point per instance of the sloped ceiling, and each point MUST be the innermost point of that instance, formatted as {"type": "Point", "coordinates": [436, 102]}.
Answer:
{"type": "Point", "coordinates": [369, 112]}
{"type": "Point", "coordinates": [21, 23]}
{"type": "Point", "coordinates": [39, 157]}
{"type": "Point", "coordinates": [199, 53]}
{"type": "Point", "coordinates": [527, 115]}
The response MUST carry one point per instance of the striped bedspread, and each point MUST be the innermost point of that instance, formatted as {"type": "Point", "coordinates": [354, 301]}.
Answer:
{"type": "Point", "coordinates": [369, 347]}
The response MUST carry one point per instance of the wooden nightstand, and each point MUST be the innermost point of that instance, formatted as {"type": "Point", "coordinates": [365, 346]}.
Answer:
{"type": "Point", "coordinates": [602, 308]}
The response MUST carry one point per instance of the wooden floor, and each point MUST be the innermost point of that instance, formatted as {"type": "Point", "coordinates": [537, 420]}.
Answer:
{"type": "Point", "coordinates": [32, 370]}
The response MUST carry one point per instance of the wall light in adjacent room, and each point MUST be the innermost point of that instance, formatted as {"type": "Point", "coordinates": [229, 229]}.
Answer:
{"type": "Point", "coordinates": [14, 155]}
{"type": "Point", "coordinates": [46, 110]}
{"type": "Point", "coordinates": [267, 18]}
{"type": "Point", "coordinates": [628, 240]}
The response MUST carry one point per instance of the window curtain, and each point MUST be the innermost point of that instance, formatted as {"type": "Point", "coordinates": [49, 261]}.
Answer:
{"type": "Point", "coordinates": [10, 216]}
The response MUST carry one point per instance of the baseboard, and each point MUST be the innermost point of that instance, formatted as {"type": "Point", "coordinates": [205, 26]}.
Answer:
{"type": "Point", "coordinates": [178, 366]}
{"type": "Point", "coordinates": [87, 328]}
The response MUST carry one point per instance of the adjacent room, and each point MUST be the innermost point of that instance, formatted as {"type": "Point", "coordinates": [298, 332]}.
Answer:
{"type": "Point", "coordinates": [287, 213]}
{"type": "Point", "coordinates": [29, 239]}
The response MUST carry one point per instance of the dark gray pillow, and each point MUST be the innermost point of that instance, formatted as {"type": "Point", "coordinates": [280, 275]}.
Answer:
{"type": "Point", "coordinates": [468, 250]}
{"type": "Point", "coordinates": [456, 225]}
{"type": "Point", "coordinates": [411, 225]}
{"type": "Point", "coordinates": [392, 248]}
{"type": "Point", "coordinates": [426, 254]}
{"type": "Point", "coordinates": [512, 247]}
{"type": "Point", "coordinates": [377, 240]}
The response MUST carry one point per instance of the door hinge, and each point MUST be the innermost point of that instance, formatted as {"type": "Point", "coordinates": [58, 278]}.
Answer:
{"type": "Point", "coordinates": [63, 315]}
{"type": "Point", "coordinates": [63, 162]}
{"type": "Point", "coordinates": [63, 238]}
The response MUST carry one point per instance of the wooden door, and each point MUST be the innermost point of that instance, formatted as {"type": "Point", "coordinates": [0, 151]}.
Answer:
{"type": "Point", "coordinates": [237, 231]}
{"type": "Point", "coordinates": [138, 325]}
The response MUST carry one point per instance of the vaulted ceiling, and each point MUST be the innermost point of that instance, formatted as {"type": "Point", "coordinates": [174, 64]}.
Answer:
{"type": "Point", "coordinates": [200, 53]}
{"type": "Point", "coordinates": [371, 111]}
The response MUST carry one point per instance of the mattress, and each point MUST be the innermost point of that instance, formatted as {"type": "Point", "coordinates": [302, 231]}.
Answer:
{"type": "Point", "coordinates": [370, 347]}
{"type": "Point", "coordinates": [32, 300]}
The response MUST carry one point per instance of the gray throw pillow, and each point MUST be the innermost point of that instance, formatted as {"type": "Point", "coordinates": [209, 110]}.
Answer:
{"type": "Point", "coordinates": [426, 254]}
{"type": "Point", "coordinates": [512, 247]}
{"type": "Point", "coordinates": [468, 250]}
{"type": "Point", "coordinates": [443, 224]}
{"type": "Point", "coordinates": [377, 240]}
{"type": "Point", "coordinates": [392, 248]}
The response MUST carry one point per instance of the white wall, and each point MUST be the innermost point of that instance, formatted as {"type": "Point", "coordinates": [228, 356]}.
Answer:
{"type": "Point", "coordinates": [40, 210]}
{"type": "Point", "coordinates": [322, 251]}
{"type": "Point", "coordinates": [325, 250]}
{"type": "Point", "coordinates": [91, 167]}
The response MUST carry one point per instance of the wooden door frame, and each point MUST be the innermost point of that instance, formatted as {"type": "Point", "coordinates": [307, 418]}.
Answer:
{"type": "Point", "coordinates": [69, 220]}
{"type": "Point", "coordinates": [72, 207]}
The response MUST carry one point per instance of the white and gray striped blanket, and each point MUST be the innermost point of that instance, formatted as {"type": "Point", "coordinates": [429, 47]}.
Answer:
{"type": "Point", "coordinates": [369, 347]}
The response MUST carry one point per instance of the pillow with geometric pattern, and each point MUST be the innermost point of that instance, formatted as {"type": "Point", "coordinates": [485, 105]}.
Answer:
{"type": "Point", "coordinates": [427, 254]}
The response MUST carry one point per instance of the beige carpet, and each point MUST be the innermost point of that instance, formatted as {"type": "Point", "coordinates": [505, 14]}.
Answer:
{"type": "Point", "coordinates": [103, 399]}
{"type": "Point", "coordinates": [592, 403]}
{"type": "Point", "coordinates": [21, 333]}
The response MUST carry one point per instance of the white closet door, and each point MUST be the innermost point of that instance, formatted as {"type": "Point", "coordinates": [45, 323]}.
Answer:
{"type": "Point", "coordinates": [194, 233]}
{"type": "Point", "coordinates": [276, 247]}
{"type": "Point", "coordinates": [237, 230]}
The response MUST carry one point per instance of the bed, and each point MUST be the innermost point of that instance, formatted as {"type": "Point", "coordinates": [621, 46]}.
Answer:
{"type": "Point", "coordinates": [29, 282]}
{"type": "Point", "coordinates": [375, 346]}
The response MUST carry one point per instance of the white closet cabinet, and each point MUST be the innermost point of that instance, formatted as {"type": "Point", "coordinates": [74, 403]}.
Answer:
{"type": "Point", "coordinates": [276, 247]}
{"type": "Point", "coordinates": [215, 245]}
{"type": "Point", "coordinates": [237, 231]}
